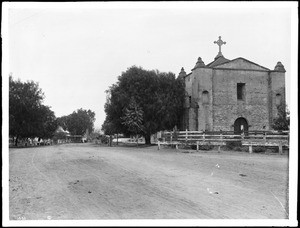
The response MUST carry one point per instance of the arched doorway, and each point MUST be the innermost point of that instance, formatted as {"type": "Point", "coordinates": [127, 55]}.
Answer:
{"type": "Point", "coordinates": [240, 125]}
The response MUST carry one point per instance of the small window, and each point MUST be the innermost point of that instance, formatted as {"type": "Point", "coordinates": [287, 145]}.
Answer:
{"type": "Point", "coordinates": [241, 91]}
{"type": "Point", "coordinates": [278, 99]}
{"type": "Point", "coordinates": [205, 97]}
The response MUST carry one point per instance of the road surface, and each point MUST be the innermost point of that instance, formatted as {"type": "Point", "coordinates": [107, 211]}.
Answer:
{"type": "Point", "coordinates": [88, 181]}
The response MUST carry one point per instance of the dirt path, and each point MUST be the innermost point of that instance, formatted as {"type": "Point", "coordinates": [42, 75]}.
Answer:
{"type": "Point", "coordinates": [85, 181]}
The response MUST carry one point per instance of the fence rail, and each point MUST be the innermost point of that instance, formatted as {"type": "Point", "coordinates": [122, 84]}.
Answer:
{"type": "Point", "coordinates": [219, 138]}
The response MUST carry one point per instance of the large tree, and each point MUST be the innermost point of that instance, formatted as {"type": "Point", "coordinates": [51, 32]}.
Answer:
{"type": "Point", "coordinates": [159, 95]}
{"type": "Point", "coordinates": [48, 124]}
{"type": "Point", "coordinates": [109, 128]}
{"type": "Point", "coordinates": [28, 117]}
{"type": "Point", "coordinates": [78, 122]}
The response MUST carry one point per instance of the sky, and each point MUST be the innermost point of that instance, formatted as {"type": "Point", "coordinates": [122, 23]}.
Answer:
{"type": "Point", "coordinates": [76, 51]}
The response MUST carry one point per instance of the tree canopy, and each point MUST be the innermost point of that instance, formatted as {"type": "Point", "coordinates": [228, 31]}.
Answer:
{"type": "Point", "coordinates": [282, 121]}
{"type": "Point", "coordinates": [158, 95]}
{"type": "Point", "coordinates": [48, 122]}
{"type": "Point", "coordinates": [78, 122]}
{"type": "Point", "coordinates": [28, 117]}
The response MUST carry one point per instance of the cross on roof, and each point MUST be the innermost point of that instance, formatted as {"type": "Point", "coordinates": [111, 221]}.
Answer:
{"type": "Point", "coordinates": [219, 42]}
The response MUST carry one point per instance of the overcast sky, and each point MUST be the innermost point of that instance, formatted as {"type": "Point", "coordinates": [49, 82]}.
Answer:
{"type": "Point", "coordinates": [75, 51]}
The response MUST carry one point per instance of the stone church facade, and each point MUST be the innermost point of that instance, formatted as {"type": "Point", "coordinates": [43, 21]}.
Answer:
{"type": "Point", "coordinates": [232, 95]}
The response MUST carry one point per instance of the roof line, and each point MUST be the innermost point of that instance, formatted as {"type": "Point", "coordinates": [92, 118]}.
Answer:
{"type": "Point", "coordinates": [188, 74]}
{"type": "Point", "coordinates": [247, 61]}
{"type": "Point", "coordinates": [208, 65]}
{"type": "Point", "coordinates": [222, 68]}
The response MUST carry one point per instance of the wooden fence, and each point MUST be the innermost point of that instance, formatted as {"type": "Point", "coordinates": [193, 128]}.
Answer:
{"type": "Point", "coordinates": [220, 138]}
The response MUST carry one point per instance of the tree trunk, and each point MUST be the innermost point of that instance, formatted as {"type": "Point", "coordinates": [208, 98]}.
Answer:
{"type": "Point", "coordinates": [110, 140]}
{"type": "Point", "coordinates": [16, 141]}
{"type": "Point", "coordinates": [148, 139]}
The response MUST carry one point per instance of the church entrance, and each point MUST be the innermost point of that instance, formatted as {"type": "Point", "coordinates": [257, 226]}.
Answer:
{"type": "Point", "coordinates": [240, 125]}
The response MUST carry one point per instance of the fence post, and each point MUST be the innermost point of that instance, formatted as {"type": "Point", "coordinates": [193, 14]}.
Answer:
{"type": "Point", "coordinates": [203, 137]}
{"type": "Point", "coordinates": [176, 146]}
{"type": "Point", "coordinates": [219, 147]}
{"type": "Point", "coordinates": [250, 149]}
{"type": "Point", "coordinates": [158, 144]}
{"type": "Point", "coordinates": [280, 148]}
{"type": "Point", "coordinates": [265, 137]}
{"type": "Point", "coordinates": [197, 146]}
{"type": "Point", "coordinates": [186, 135]}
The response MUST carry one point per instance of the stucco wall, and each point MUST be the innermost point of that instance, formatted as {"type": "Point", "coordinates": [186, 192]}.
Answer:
{"type": "Point", "coordinates": [277, 87]}
{"type": "Point", "coordinates": [222, 108]}
{"type": "Point", "coordinates": [203, 82]}
{"type": "Point", "coordinates": [227, 108]}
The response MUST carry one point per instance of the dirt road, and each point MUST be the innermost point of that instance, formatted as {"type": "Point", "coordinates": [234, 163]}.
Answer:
{"type": "Point", "coordinates": [86, 181]}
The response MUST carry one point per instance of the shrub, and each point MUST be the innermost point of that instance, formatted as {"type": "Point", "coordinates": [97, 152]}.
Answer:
{"type": "Point", "coordinates": [272, 150]}
{"type": "Point", "coordinates": [259, 149]}
{"type": "Point", "coordinates": [230, 145]}
{"type": "Point", "coordinates": [103, 139]}
{"type": "Point", "coordinates": [203, 147]}
{"type": "Point", "coordinates": [245, 149]}
{"type": "Point", "coordinates": [206, 147]}
{"type": "Point", "coordinates": [193, 147]}
{"type": "Point", "coordinates": [237, 148]}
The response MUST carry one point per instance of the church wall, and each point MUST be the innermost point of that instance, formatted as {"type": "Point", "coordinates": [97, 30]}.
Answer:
{"type": "Point", "coordinates": [188, 84]}
{"type": "Point", "coordinates": [277, 86]}
{"type": "Point", "coordinates": [191, 114]}
{"type": "Point", "coordinates": [187, 112]}
{"type": "Point", "coordinates": [227, 108]}
{"type": "Point", "coordinates": [202, 92]}
{"type": "Point", "coordinates": [192, 119]}
{"type": "Point", "coordinates": [217, 96]}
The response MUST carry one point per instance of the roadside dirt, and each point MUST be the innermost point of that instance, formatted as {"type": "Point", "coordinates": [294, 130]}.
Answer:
{"type": "Point", "coordinates": [87, 181]}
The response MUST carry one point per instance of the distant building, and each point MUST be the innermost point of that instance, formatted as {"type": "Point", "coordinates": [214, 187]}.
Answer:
{"type": "Point", "coordinates": [232, 95]}
{"type": "Point", "coordinates": [61, 130]}
{"type": "Point", "coordinates": [65, 136]}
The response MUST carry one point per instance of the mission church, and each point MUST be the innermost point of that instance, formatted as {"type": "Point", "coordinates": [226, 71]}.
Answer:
{"type": "Point", "coordinates": [232, 95]}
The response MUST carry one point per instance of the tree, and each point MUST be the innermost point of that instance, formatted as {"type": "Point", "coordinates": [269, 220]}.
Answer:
{"type": "Point", "coordinates": [133, 118]}
{"type": "Point", "coordinates": [63, 122]}
{"type": "Point", "coordinates": [282, 121]}
{"type": "Point", "coordinates": [159, 95]}
{"type": "Point", "coordinates": [28, 117]}
{"type": "Point", "coordinates": [96, 134]}
{"type": "Point", "coordinates": [78, 122]}
{"type": "Point", "coordinates": [48, 124]}
{"type": "Point", "coordinates": [109, 128]}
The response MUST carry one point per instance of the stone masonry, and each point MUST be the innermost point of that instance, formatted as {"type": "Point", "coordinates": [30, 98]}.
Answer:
{"type": "Point", "coordinates": [232, 95]}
